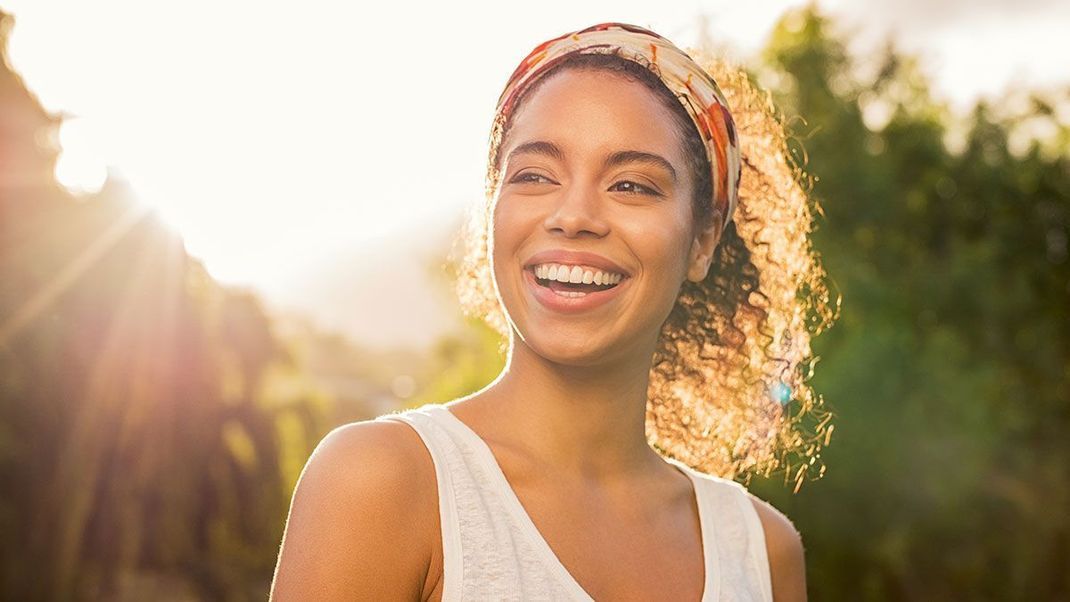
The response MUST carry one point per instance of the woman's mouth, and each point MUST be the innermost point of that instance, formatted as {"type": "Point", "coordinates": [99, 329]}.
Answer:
{"type": "Point", "coordinates": [572, 297]}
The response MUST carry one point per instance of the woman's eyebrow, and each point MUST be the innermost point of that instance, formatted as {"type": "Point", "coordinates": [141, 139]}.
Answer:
{"type": "Point", "coordinates": [537, 147]}
{"type": "Point", "coordinates": [543, 147]}
{"type": "Point", "coordinates": [633, 156]}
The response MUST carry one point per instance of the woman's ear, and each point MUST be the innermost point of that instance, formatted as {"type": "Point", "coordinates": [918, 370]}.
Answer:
{"type": "Point", "coordinates": [702, 247]}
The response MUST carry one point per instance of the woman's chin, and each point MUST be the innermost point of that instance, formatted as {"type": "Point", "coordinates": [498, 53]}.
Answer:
{"type": "Point", "coordinates": [578, 348]}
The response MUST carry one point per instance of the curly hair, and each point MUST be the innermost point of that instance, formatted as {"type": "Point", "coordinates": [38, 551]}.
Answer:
{"type": "Point", "coordinates": [728, 393]}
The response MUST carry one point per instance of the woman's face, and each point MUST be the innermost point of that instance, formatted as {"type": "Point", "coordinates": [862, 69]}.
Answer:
{"type": "Point", "coordinates": [593, 164]}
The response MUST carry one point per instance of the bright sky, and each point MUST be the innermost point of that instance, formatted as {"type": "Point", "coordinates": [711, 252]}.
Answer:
{"type": "Point", "coordinates": [282, 139]}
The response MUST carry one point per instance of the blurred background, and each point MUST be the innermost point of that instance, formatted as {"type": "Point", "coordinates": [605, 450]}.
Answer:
{"type": "Point", "coordinates": [224, 231]}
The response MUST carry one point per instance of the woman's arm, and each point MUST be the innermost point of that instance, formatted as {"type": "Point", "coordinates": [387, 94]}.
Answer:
{"type": "Point", "coordinates": [356, 529]}
{"type": "Point", "coordinates": [783, 543]}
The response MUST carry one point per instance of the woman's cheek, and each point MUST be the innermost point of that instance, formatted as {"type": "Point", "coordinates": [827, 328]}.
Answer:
{"type": "Point", "coordinates": [663, 258]}
{"type": "Point", "coordinates": [504, 249]}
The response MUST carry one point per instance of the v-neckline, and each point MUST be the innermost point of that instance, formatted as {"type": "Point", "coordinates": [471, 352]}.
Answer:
{"type": "Point", "coordinates": [710, 558]}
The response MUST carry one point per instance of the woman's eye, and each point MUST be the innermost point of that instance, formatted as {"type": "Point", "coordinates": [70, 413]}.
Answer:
{"type": "Point", "coordinates": [636, 188]}
{"type": "Point", "coordinates": [528, 177]}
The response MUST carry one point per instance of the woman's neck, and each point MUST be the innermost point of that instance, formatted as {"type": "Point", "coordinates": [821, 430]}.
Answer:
{"type": "Point", "coordinates": [586, 421]}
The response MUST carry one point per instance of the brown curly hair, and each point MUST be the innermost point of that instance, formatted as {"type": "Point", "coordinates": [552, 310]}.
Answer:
{"type": "Point", "coordinates": [727, 391]}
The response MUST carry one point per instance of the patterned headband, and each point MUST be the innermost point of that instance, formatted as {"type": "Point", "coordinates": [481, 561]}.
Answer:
{"type": "Point", "coordinates": [692, 85]}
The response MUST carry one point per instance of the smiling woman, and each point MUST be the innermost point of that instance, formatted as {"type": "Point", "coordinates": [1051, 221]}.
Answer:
{"type": "Point", "coordinates": [650, 269]}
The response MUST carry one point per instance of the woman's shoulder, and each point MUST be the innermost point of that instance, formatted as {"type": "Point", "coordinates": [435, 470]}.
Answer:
{"type": "Point", "coordinates": [783, 542]}
{"type": "Point", "coordinates": [784, 548]}
{"type": "Point", "coordinates": [362, 511]}
{"type": "Point", "coordinates": [382, 462]}
{"type": "Point", "coordinates": [774, 522]}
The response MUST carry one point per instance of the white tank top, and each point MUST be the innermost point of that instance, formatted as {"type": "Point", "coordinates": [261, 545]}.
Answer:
{"type": "Point", "coordinates": [493, 551]}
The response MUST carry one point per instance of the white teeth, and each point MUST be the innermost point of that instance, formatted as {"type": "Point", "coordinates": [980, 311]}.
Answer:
{"type": "Point", "coordinates": [576, 274]}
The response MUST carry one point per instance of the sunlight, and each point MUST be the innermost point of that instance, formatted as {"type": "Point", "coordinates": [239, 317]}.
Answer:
{"type": "Point", "coordinates": [274, 161]}
{"type": "Point", "coordinates": [36, 304]}
{"type": "Point", "coordinates": [80, 168]}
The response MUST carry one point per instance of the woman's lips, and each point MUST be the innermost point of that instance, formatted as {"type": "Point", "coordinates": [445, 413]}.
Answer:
{"type": "Point", "coordinates": [570, 305]}
{"type": "Point", "coordinates": [585, 258]}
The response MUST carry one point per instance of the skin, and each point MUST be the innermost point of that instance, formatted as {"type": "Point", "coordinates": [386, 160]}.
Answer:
{"type": "Point", "coordinates": [566, 418]}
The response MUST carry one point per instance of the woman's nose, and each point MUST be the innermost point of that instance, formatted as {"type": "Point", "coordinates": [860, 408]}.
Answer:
{"type": "Point", "coordinates": [578, 209]}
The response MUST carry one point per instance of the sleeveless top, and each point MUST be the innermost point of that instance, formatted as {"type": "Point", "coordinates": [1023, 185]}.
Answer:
{"type": "Point", "coordinates": [493, 551]}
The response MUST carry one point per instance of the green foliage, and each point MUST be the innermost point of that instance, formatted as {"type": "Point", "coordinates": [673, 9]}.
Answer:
{"type": "Point", "coordinates": [463, 364]}
{"type": "Point", "coordinates": [948, 372]}
{"type": "Point", "coordinates": [135, 447]}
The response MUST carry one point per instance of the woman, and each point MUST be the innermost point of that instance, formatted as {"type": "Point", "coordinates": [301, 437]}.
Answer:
{"type": "Point", "coordinates": [608, 254]}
